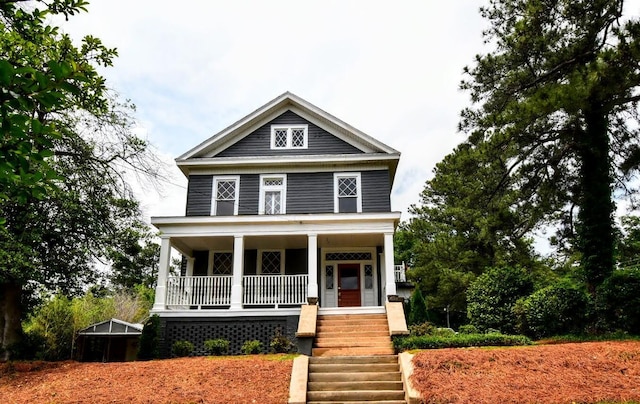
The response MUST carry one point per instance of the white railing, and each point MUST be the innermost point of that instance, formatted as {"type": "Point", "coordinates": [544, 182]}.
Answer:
{"type": "Point", "coordinates": [400, 273]}
{"type": "Point", "coordinates": [275, 290]}
{"type": "Point", "coordinates": [188, 291]}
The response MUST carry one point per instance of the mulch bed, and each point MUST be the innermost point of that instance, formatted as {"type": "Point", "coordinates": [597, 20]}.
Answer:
{"type": "Point", "coordinates": [588, 372]}
{"type": "Point", "coordinates": [246, 379]}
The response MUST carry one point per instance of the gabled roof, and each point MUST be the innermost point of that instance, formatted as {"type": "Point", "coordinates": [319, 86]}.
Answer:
{"type": "Point", "coordinates": [112, 327]}
{"type": "Point", "coordinates": [287, 101]}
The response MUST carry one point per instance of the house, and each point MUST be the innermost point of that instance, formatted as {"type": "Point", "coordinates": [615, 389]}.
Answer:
{"type": "Point", "coordinates": [286, 207]}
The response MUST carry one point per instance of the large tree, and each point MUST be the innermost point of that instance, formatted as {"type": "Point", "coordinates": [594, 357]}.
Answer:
{"type": "Point", "coordinates": [66, 147]}
{"type": "Point", "coordinates": [556, 100]}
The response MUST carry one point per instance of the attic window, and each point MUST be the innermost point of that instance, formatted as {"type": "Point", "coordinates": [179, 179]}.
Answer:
{"type": "Point", "coordinates": [289, 137]}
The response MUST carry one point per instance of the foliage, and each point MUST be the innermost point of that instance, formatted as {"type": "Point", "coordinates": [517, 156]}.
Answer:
{"type": "Point", "coordinates": [182, 348]}
{"type": "Point", "coordinates": [557, 309]}
{"type": "Point", "coordinates": [217, 347]}
{"type": "Point", "coordinates": [149, 347]}
{"type": "Point", "coordinates": [251, 347]}
{"type": "Point", "coordinates": [468, 329]}
{"type": "Point", "coordinates": [280, 343]}
{"type": "Point", "coordinates": [135, 260]}
{"type": "Point", "coordinates": [54, 324]}
{"type": "Point", "coordinates": [609, 336]}
{"type": "Point", "coordinates": [425, 328]}
{"type": "Point", "coordinates": [618, 301]}
{"type": "Point", "coordinates": [418, 313]}
{"type": "Point", "coordinates": [493, 295]}
{"type": "Point", "coordinates": [458, 341]}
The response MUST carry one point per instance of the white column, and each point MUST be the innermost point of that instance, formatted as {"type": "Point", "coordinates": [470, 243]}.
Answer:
{"type": "Point", "coordinates": [238, 265]}
{"type": "Point", "coordinates": [190, 262]}
{"type": "Point", "coordinates": [389, 273]}
{"type": "Point", "coordinates": [163, 272]}
{"type": "Point", "coordinates": [312, 249]}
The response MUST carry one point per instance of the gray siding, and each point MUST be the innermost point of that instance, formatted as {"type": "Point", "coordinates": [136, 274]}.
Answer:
{"type": "Point", "coordinates": [310, 193]}
{"type": "Point", "coordinates": [199, 195]}
{"type": "Point", "coordinates": [258, 143]}
{"type": "Point", "coordinates": [376, 191]}
{"type": "Point", "coordinates": [249, 194]}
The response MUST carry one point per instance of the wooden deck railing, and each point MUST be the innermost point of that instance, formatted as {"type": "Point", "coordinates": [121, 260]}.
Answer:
{"type": "Point", "coordinates": [276, 290]}
{"type": "Point", "coordinates": [187, 291]}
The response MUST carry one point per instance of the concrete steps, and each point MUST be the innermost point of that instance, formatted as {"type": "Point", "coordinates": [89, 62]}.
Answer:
{"type": "Point", "coordinates": [355, 379]}
{"type": "Point", "coordinates": [352, 334]}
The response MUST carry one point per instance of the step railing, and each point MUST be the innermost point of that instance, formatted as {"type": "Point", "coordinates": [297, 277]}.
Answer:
{"type": "Point", "coordinates": [400, 273]}
{"type": "Point", "coordinates": [274, 290]}
{"type": "Point", "coordinates": [189, 291]}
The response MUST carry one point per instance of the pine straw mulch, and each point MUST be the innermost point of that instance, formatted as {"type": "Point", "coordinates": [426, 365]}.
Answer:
{"type": "Point", "coordinates": [244, 379]}
{"type": "Point", "coordinates": [589, 372]}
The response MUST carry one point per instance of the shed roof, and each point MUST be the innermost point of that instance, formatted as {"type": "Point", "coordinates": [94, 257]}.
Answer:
{"type": "Point", "coordinates": [112, 327]}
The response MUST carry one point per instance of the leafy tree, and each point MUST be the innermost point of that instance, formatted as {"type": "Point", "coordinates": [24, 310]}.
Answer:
{"type": "Point", "coordinates": [556, 102]}
{"type": "Point", "coordinates": [135, 260]}
{"type": "Point", "coordinates": [418, 313]}
{"type": "Point", "coordinates": [58, 119]}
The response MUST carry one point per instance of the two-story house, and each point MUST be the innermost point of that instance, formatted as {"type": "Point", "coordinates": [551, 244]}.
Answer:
{"type": "Point", "coordinates": [289, 205]}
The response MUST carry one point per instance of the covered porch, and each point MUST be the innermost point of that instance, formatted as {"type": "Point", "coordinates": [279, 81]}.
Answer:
{"type": "Point", "coordinates": [275, 262]}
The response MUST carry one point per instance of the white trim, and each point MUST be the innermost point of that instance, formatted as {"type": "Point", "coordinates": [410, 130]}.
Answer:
{"type": "Point", "coordinates": [214, 192]}
{"type": "Point", "coordinates": [336, 201]}
{"type": "Point", "coordinates": [289, 128]}
{"type": "Point", "coordinates": [232, 312]}
{"type": "Point", "coordinates": [334, 292]}
{"type": "Point", "coordinates": [259, 260]}
{"type": "Point", "coordinates": [288, 159]}
{"type": "Point", "coordinates": [284, 169]}
{"type": "Point", "coordinates": [282, 188]}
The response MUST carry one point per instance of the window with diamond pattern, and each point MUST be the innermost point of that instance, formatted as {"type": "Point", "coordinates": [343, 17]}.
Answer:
{"type": "Point", "coordinates": [347, 194]}
{"type": "Point", "coordinates": [223, 263]}
{"type": "Point", "coordinates": [225, 197]}
{"type": "Point", "coordinates": [271, 262]}
{"type": "Point", "coordinates": [272, 195]}
{"type": "Point", "coordinates": [289, 137]}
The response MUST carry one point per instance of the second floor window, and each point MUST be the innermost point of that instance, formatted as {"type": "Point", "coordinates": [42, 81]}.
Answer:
{"type": "Point", "coordinates": [289, 137]}
{"type": "Point", "coordinates": [225, 196]}
{"type": "Point", "coordinates": [273, 194]}
{"type": "Point", "coordinates": [347, 193]}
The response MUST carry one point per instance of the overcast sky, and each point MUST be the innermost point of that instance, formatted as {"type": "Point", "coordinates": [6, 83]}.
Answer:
{"type": "Point", "coordinates": [390, 69]}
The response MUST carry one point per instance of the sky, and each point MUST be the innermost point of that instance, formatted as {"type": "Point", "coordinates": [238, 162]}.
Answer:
{"type": "Point", "coordinates": [390, 69]}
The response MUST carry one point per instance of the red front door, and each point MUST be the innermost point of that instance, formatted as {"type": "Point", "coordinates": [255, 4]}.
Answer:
{"type": "Point", "coordinates": [348, 285]}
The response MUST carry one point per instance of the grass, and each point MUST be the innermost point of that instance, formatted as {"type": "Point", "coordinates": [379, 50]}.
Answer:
{"type": "Point", "coordinates": [614, 336]}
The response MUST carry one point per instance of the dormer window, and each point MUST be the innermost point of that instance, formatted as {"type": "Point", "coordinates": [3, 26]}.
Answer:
{"type": "Point", "coordinates": [285, 137]}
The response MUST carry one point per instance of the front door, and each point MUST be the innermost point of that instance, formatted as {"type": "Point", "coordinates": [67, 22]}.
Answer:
{"type": "Point", "coordinates": [348, 285]}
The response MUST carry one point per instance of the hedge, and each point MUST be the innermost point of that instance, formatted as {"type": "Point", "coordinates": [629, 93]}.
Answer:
{"type": "Point", "coordinates": [458, 341]}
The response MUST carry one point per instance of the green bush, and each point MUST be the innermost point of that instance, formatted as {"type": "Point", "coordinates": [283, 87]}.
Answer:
{"type": "Point", "coordinates": [468, 329]}
{"type": "Point", "coordinates": [425, 328]}
{"type": "Point", "coordinates": [251, 347]}
{"type": "Point", "coordinates": [182, 348]}
{"type": "Point", "coordinates": [493, 294]}
{"type": "Point", "coordinates": [150, 339]}
{"type": "Point", "coordinates": [418, 307]}
{"type": "Point", "coordinates": [216, 347]}
{"type": "Point", "coordinates": [443, 332]}
{"type": "Point", "coordinates": [554, 310]}
{"type": "Point", "coordinates": [458, 341]}
{"type": "Point", "coordinates": [618, 301]}
{"type": "Point", "coordinates": [280, 343]}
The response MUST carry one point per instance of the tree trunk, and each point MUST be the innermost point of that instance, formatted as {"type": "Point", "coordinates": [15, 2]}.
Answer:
{"type": "Point", "coordinates": [595, 230]}
{"type": "Point", "coordinates": [10, 315]}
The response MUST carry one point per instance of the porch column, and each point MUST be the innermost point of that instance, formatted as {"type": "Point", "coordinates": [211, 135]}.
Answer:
{"type": "Point", "coordinates": [389, 267]}
{"type": "Point", "coordinates": [312, 249]}
{"type": "Point", "coordinates": [190, 262]}
{"type": "Point", "coordinates": [238, 265]}
{"type": "Point", "coordinates": [163, 272]}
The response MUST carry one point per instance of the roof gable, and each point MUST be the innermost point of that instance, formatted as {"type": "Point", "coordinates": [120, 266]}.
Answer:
{"type": "Point", "coordinates": [284, 105]}
{"type": "Point", "coordinates": [112, 327]}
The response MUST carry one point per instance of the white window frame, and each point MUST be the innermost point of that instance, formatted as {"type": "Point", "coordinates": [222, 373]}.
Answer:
{"type": "Point", "coordinates": [289, 129]}
{"type": "Point", "coordinates": [210, 263]}
{"type": "Point", "coordinates": [336, 199]}
{"type": "Point", "coordinates": [214, 194]}
{"type": "Point", "coordinates": [282, 257]}
{"type": "Point", "coordinates": [264, 188]}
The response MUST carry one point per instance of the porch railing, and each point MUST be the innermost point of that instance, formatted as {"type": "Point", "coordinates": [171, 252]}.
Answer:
{"type": "Point", "coordinates": [400, 273]}
{"type": "Point", "coordinates": [276, 290]}
{"type": "Point", "coordinates": [187, 291]}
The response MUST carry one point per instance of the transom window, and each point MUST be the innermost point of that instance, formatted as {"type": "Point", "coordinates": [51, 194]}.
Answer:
{"type": "Point", "coordinates": [273, 194]}
{"type": "Point", "coordinates": [271, 262]}
{"type": "Point", "coordinates": [347, 193]}
{"type": "Point", "coordinates": [289, 137]}
{"type": "Point", "coordinates": [225, 196]}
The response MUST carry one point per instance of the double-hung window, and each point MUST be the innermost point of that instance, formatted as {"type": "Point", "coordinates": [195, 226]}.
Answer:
{"type": "Point", "coordinates": [225, 196]}
{"type": "Point", "coordinates": [271, 262]}
{"type": "Point", "coordinates": [273, 194]}
{"type": "Point", "coordinates": [347, 193]}
{"type": "Point", "coordinates": [289, 136]}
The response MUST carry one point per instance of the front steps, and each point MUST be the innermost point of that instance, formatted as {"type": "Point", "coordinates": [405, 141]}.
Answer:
{"type": "Point", "coordinates": [355, 379]}
{"type": "Point", "coordinates": [352, 335]}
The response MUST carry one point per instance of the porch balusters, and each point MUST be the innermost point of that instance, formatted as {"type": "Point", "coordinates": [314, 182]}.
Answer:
{"type": "Point", "coordinates": [275, 290]}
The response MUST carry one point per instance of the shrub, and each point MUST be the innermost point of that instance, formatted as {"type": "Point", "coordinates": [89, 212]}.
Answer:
{"type": "Point", "coordinates": [280, 343]}
{"type": "Point", "coordinates": [150, 339]}
{"type": "Point", "coordinates": [556, 309]}
{"type": "Point", "coordinates": [251, 347]}
{"type": "Point", "coordinates": [216, 347]}
{"type": "Point", "coordinates": [444, 332]}
{"type": "Point", "coordinates": [618, 301]}
{"type": "Point", "coordinates": [418, 313]}
{"type": "Point", "coordinates": [458, 341]}
{"type": "Point", "coordinates": [468, 329]}
{"type": "Point", "coordinates": [182, 348]}
{"type": "Point", "coordinates": [425, 328]}
{"type": "Point", "coordinates": [493, 294]}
